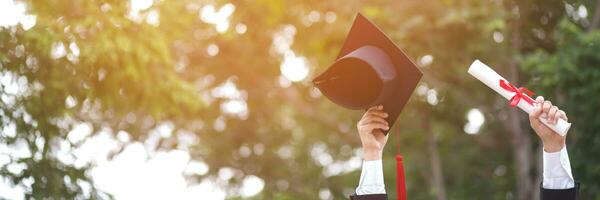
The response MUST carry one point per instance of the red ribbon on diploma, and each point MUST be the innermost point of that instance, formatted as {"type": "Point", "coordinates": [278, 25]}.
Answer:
{"type": "Point", "coordinates": [514, 101]}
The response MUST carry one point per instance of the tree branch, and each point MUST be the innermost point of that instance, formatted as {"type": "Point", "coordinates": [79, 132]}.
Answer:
{"type": "Point", "coordinates": [596, 19]}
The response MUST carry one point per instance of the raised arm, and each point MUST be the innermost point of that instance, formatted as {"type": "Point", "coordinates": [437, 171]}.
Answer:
{"type": "Point", "coordinates": [371, 185]}
{"type": "Point", "coordinates": [558, 182]}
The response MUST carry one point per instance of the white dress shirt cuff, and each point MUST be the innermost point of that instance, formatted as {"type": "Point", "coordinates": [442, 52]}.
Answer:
{"type": "Point", "coordinates": [557, 170]}
{"type": "Point", "coordinates": [371, 178]}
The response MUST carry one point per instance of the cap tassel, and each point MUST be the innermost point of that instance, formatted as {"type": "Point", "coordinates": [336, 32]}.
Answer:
{"type": "Point", "coordinates": [400, 179]}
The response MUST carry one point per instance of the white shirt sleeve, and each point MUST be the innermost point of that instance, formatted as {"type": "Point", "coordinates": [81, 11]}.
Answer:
{"type": "Point", "coordinates": [371, 178]}
{"type": "Point", "coordinates": [557, 170]}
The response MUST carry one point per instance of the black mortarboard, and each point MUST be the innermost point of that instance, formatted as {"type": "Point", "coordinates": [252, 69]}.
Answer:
{"type": "Point", "coordinates": [370, 70]}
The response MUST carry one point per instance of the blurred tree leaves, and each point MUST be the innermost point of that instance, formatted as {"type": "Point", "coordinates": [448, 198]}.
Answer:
{"type": "Point", "coordinates": [119, 72]}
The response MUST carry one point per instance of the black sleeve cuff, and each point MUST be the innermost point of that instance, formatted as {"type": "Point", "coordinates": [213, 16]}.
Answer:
{"type": "Point", "coordinates": [369, 197]}
{"type": "Point", "coordinates": [562, 194]}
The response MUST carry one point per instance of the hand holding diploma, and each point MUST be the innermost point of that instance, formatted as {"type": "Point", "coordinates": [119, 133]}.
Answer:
{"type": "Point", "coordinates": [516, 95]}
{"type": "Point", "coordinates": [544, 111]}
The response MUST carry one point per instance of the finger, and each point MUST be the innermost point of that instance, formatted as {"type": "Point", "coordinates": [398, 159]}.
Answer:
{"type": "Point", "coordinates": [537, 110]}
{"type": "Point", "coordinates": [375, 119]}
{"type": "Point", "coordinates": [539, 100]}
{"type": "Point", "coordinates": [563, 115]}
{"type": "Point", "coordinates": [376, 125]}
{"type": "Point", "coordinates": [373, 108]}
{"type": "Point", "coordinates": [552, 114]}
{"type": "Point", "coordinates": [373, 122]}
{"type": "Point", "coordinates": [545, 108]}
{"type": "Point", "coordinates": [374, 128]}
{"type": "Point", "coordinates": [557, 116]}
{"type": "Point", "coordinates": [378, 113]}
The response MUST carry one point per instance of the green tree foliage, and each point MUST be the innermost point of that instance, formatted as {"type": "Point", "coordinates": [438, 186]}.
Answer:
{"type": "Point", "coordinates": [113, 67]}
{"type": "Point", "coordinates": [121, 73]}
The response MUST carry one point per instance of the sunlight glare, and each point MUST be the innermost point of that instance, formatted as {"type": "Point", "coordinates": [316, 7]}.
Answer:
{"type": "Point", "coordinates": [153, 18]}
{"type": "Point", "coordinates": [330, 17]}
{"type": "Point", "coordinates": [314, 16]}
{"type": "Point", "coordinates": [498, 37]}
{"type": "Point", "coordinates": [426, 60]}
{"type": "Point", "coordinates": [13, 13]}
{"type": "Point", "coordinates": [432, 97]}
{"type": "Point", "coordinates": [11, 191]}
{"type": "Point", "coordinates": [582, 11]}
{"type": "Point", "coordinates": [325, 194]}
{"type": "Point", "coordinates": [135, 7]}
{"type": "Point", "coordinates": [139, 5]}
{"type": "Point", "coordinates": [58, 50]}
{"type": "Point", "coordinates": [220, 18]}
{"type": "Point", "coordinates": [294, 68]}
{"type": "Point", "coordinates": [196, 168]}
{"type": "Point", "coordinates": [251, 185]}
{"type": "Point", "coordinates": [422, 89]}
{"type": "Point", "coordinates": [234, 107]}
{"type": "Point", "coordinates": [475, 121]}
{"type": "Point", "coordinates": [240, 28]}
{"type": "Point", "coordinates": [212, 50]}
{"type": "Point", "coordinates": [227, 90]}
{"type": "Point", "coordinates": [79, 132]}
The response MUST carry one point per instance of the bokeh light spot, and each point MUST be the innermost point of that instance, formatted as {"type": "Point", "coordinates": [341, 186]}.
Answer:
{"type": "Point", "coordinates": [294, 68]}
{"type": "Point", "coordinates": [475, 121]}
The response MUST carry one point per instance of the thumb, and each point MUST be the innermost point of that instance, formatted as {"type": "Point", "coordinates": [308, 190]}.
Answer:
{"type": "Point", "coordinates": [379, 135]}
{"type": "Point", "coordinates": [537, 111]}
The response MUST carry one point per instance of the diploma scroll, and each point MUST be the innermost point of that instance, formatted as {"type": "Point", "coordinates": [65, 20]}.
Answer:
{"type": "Point", "coordinates": [493, 80]}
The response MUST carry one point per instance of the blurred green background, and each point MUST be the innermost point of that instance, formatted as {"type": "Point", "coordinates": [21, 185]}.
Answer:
{"type": "Point", "coordinates": [226, 84]}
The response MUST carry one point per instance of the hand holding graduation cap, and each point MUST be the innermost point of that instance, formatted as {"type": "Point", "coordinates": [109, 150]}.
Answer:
{"type": "Point", "coordinates": [371, 70]}
{"type": "Point", "coordinates": [369, 129]}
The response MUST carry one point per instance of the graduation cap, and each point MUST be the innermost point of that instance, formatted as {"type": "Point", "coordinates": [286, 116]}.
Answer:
{"type": "Point", "coordinates": [370, 70]}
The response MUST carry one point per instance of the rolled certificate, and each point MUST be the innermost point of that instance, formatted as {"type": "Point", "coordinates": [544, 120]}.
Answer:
{"type": "Point", "coordinates": [493, 80]}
